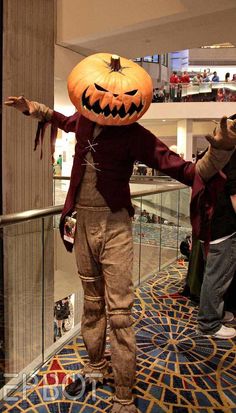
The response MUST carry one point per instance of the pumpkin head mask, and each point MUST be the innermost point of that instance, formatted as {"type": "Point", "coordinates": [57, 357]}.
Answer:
{"type": "Point", "coordinates": [110, 90]}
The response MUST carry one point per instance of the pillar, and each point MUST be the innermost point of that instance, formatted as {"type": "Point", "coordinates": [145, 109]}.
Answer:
{"type": "Point", "coordinates": [27, 64]}
{"type": "Point", "coordinates": [185, 138]}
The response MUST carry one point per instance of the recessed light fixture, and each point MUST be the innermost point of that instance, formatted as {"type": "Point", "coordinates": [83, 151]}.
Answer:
{"type": "Point", "coordinates": [163, 120]}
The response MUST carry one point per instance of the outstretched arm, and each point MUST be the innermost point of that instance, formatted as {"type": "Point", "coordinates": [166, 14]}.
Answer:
{"type": "Point", "coordinates": [43, 113]}
{"type": "Point", "coordinates": [147, 148]}
{"type": "Point", "coordinates": [30, 108]}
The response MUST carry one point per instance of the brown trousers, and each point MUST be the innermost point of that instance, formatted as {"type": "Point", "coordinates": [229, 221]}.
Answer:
{"type": "Point", "coordinates": [104, 255]}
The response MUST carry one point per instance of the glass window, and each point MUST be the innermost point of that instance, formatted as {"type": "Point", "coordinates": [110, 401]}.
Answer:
{"type": "Point", "coordinates": [147, 59]}
{"type": "Point", "coordinates": [155, 58]}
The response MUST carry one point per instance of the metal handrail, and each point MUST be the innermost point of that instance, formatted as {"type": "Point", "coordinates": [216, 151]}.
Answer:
{"type": "Point", "coordinates": [171, 186]}
{"type": "Point", "coordinates": [219, 84]}
{"type": "Point", "coordinates": [24, 216]}
{"type": "Point", "coordinates": [18, 217]}
{"type": "Point", "coordinates": [59, 177]}
{"type": "Point", "coordinates": [142, 177]}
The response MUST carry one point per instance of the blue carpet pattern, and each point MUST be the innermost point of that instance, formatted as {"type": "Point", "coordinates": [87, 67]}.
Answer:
{"type": "Point", "coordinates": [178, 371]}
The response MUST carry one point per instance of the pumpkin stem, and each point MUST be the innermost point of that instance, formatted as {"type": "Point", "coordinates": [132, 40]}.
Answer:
{"type": "Point", "coordinates": [115, 63]}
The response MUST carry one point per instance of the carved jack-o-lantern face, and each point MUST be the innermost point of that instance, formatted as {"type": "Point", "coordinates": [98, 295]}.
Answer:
{"type": "Point", "coordinates": [110, 90]}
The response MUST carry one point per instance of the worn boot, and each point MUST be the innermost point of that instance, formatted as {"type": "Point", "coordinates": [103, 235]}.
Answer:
{"type": "Point", "coordinates": [90, 377]}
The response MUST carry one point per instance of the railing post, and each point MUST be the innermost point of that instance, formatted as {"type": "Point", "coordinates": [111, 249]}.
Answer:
{"type": "Point", "coordinates": [43, 289]}
{"type": "Point", "coordinates": [160, 235]}
{"type": "Point", "coordinates": [140, 240]}
{"type": "Point", "coordinates": [178, 209]}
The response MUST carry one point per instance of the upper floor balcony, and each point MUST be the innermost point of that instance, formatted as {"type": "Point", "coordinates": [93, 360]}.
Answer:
{"type": "Point", "coordinates": [202, 101]}
{"type": "Point", "coordinates": [196, 92]}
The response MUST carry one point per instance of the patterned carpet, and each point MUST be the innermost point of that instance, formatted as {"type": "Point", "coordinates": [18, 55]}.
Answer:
{"type": "Point", "coordinates": [178, 370]}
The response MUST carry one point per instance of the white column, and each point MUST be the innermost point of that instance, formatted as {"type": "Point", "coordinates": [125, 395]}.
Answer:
{"type": "Point", "coordinates": [185, 138]}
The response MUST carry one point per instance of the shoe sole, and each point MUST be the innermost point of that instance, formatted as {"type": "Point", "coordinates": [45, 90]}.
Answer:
{"type": "Point", "coordinates": [223, 338]}
{"type": "Point", "coordinates": [215, 336]}
{"type": "Point", "coordinates": [228, 321]}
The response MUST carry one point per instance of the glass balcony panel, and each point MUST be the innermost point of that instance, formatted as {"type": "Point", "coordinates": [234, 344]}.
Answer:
{"type": "Point", "coordinates": [169, 227]}
{"type": "Point", "coordinates": [184, 218]}
{"type": "Point", "coordinates": [23, 318]}
{"type": "Point", "coordinates": [60, 186]}
{"type": "Point", "coordinates": [147, 224]}
{"type": "Point", "coordinates": [193, 89]}
{"type": "Point", "coordinates": [196, 92]}
{"type": "Point", "coordinates": [68, 295]}
{"type": "Point", "coordinates": [205, 87]}
{"type": "Point", "coordinates": [136, 228]}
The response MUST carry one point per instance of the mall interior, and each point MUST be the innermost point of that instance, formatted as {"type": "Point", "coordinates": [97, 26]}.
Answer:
{"type": "Point", "coordinates": [41, 347]}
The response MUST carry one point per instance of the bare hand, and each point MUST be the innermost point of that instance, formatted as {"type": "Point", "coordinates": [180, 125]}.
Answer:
{"type": "Point", "coordinates": [20, 103]}
{"type": "Point", "coordinates": [224, 135]}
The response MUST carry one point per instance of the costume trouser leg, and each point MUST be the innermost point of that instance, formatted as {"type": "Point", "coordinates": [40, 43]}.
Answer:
{"type": "Point", "coordinates": [94, 321]}
{"type": "Point", "coordinates": [117, 268]}
{"type": "Point", "coordinates": [104, 255]}
{"type": "Point", "coordinates": [219, 272]}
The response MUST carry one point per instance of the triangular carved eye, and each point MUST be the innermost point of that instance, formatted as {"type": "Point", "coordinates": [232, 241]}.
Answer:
{"type": "Point", "coordinates": [100, 88]}
{"type": "Point", "coordinates": [132, 92]}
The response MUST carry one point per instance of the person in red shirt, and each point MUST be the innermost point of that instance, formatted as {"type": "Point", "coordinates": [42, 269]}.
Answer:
{"type": "Point", "coordinates": [185, 77]}
{"type": "Point", "coordinates": [174, 78]}
{"type": "Point", "coordinates": [174, 86]}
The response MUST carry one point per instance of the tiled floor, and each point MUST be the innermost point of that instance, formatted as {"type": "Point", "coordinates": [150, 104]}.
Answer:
{"type": "Point", "coordinates": [178, 370]}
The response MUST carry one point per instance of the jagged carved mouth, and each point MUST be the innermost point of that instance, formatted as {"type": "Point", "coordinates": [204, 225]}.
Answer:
{"type": "Point", "coordinates": [121, 112]}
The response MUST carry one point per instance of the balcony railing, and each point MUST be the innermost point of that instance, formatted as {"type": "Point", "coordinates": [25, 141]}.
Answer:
{"type": "Point", "coordinates": [194, 92]}
{"type": "Point", "coordinates": [31, 289]}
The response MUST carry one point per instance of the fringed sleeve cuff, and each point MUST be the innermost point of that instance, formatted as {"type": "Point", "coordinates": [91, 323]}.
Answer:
{"type": "Point", "coordinates": [39, 138]}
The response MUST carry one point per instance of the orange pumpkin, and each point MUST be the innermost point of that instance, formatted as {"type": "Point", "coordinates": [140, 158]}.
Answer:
{"type": "Point", "coordinates": [110, 90]}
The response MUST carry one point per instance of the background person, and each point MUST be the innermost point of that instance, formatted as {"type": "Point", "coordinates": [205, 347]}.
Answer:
{"type": "Point", "coordinates": [215, 77]}
{"type": "Point", "coordinates": [185, 78]}
{"type": "Point", "coordinates": [174, 82]}
{"type": "Point", "coordinates": [61, 313]}
{"type": "Point", "coordinates": [186, 246]}
{"type": "Point", "coordinates": [197, 79]}
{"type": "Point", "coordinates": [205, 76]}
{"type": "Point", "coordinates": [59, 161]}
{"type": "Point", "coordinates": [220, 261]}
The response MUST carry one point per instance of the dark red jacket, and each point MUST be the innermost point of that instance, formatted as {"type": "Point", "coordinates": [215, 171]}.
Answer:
{"type": "Point", "coordinates": [116, 150]}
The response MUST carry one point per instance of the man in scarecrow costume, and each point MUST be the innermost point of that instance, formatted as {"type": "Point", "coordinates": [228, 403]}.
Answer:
{"type": "Point", "coordinates": [111, 94]}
